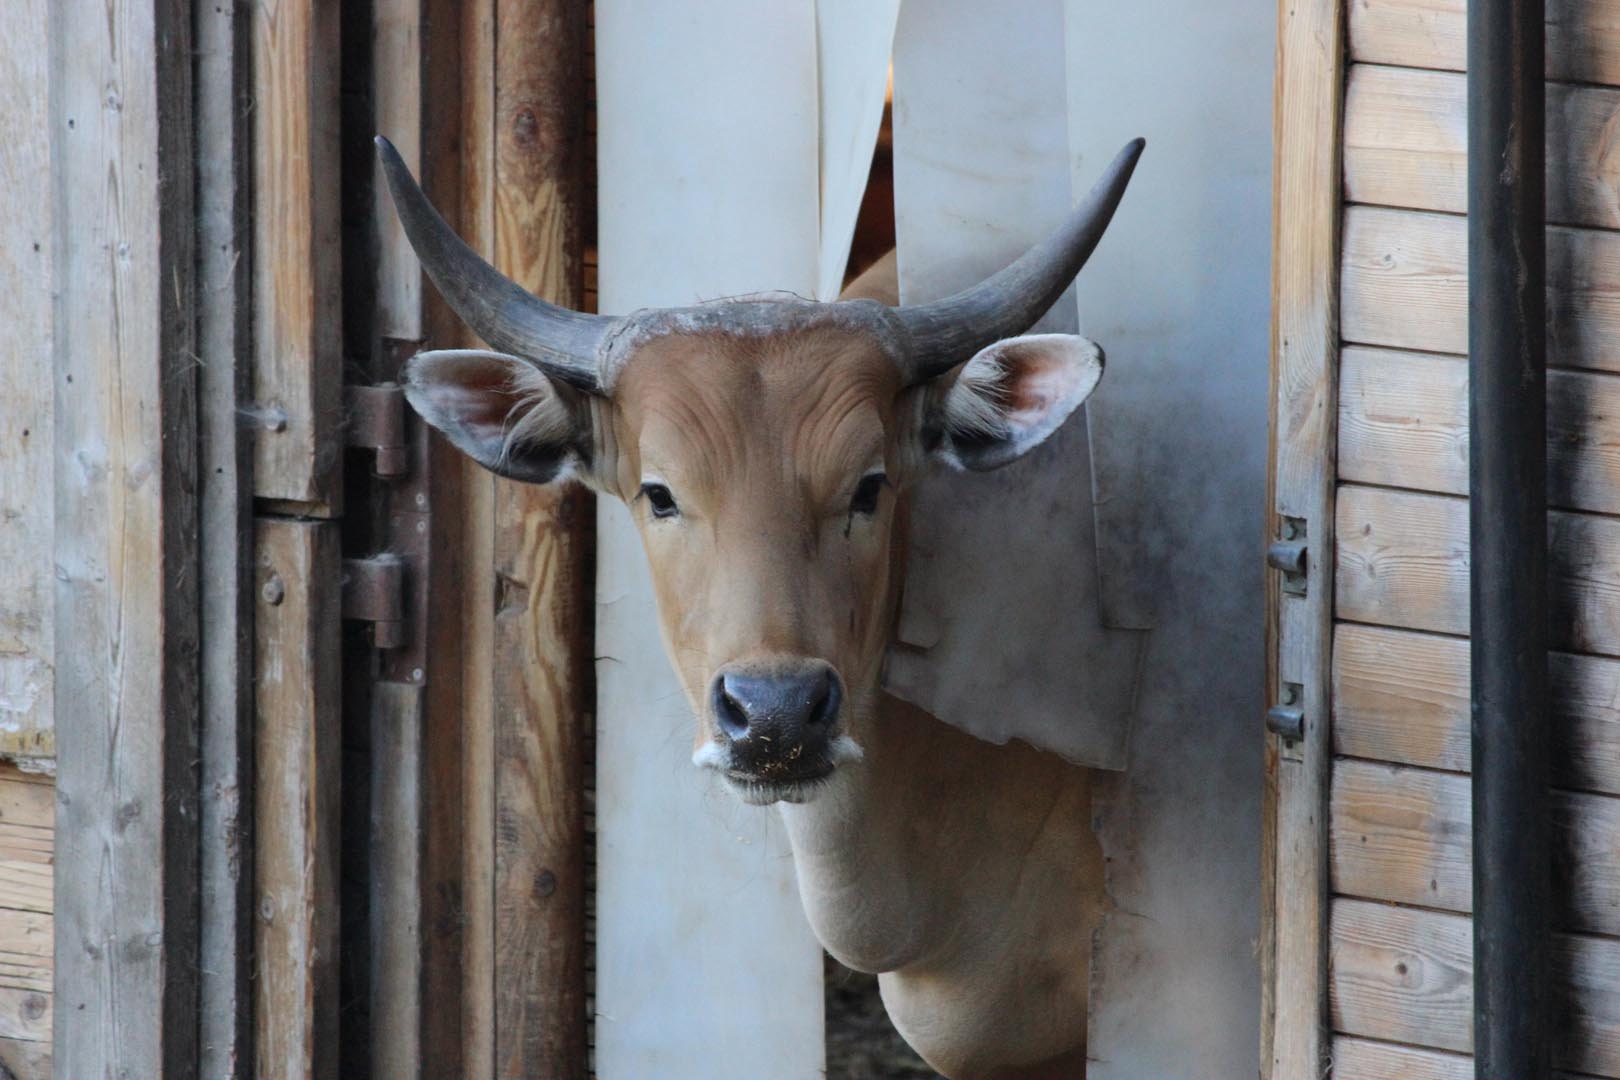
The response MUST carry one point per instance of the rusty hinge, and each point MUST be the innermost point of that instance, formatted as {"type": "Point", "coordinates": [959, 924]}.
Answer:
{"type": "Point", "coordinates": [377, 423]}
{"type": "Point", "coordinates": [374, 592]}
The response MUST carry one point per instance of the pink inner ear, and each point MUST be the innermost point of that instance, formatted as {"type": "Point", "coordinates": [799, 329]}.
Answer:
{"type": "Point", "coordinates": [1035, 381]}
{"type": "Point", "coordinates": [485, 407]}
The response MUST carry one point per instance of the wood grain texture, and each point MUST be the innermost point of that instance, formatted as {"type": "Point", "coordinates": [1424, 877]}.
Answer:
{"type": "Point", "coordinates": [26, 388]}
{"type": "Point", "coordinates": [297, 323]}
{"type": "Point", "coordinates": [476, 1024]}
{"type": "Point", "coordinates": [1405, 835]}
{"type": "Point", "coordinates": [1403, 561]}
{"type": "Point", "coordinates": [224, 387]}
{"type": "Point", "coordinates": [297, 753]}
{"type": "Point", "coordinates": [25, 1015]}
{"type": "Point", "coordinates": [1402, 697]}
{"type": "Point", "coordinates": [25, 950]}
{"type": "Point", "coordinates": [543, 536]}
{"type": "Point", "coordinates": [1405, 285]}
{"type": "Point", "coordinates": [1406, 145]}
{"type": "Point", "coordinates": [1363, 1059]}
{"type": "Point", "coordinates": [1403, 422]}
{"type": "Point", "coordinates": [126, 570]}
{"type": "Point", "coordinates": [27, 1060]}
{"type": "Point", "coordinates": [1583, 36]}
{"type": "Point", "coordinates": [1305, 336]}
{"type": "Point", "coordinates": [395, 913]}
{"type": "Point", "coordinates": [1405, 975]}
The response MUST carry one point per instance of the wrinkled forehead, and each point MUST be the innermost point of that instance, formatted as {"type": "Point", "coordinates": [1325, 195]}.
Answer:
{"type": "Point", "coordinates": [814, 399]}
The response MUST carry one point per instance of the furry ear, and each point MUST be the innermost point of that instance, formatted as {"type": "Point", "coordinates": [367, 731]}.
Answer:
{"type": "Point", "coordinates": [1011, 396]}
{"type": "Point", "coordinates": [503, 412]}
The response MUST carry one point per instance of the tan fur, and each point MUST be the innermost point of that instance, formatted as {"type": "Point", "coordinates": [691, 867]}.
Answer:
{"type": "Point", "coordinates": [966, 874]}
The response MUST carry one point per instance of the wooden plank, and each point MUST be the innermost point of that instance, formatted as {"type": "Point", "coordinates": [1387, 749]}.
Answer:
{"type": "Point", "coordinates": [298, 335]}
{"type": "Point", "coordinates": [1405, 835]}
{"type": "Point", "coordinates": [1403, 697]}
{"type": "Point", "coordinates": [25, 1059]}
{"type": "Point", "coordinates": [1583, 36]}
{"type": "Point", "coordinates": [1405, 975]}
{"type": "Point", "coordinates": [126, 569]}
{"type": "Point", "coordinates": [1305, 336]}
{"type": "Point", "coordinates": [25, 1015]}
{"type": "Point", "coordinates": [298, 758]}
{"type": "Point", "coordinates": [25, 950]}
{"type": "Point", "coordinates": [477, 1021]}
{"type": "Point", "coordinates": [1406, 145]}
{"type": "Point", "coordinates": [544, 609]}
{"type": "Point", "coordinates": [1403, 561]}
{"type": "Point", "coordinates": [1405, 285]}
{"type": "Point", "coordinates": [224, 387]}
{"type": "Point", "coordinates": [396, 879]}
{"type": "Point", "coordinates": [1363, 1059]}
{"type": "Point", "coordinates": [396, 53]}
{"type": "Point", "coordinates": [1403, 422]}
{"type": "Point", "coordinates": [26, 388]}
{"type": "Point", "coordinates": [26, 799]}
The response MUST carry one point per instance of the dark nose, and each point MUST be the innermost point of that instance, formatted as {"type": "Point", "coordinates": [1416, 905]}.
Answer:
{"type": "Point", "coordinates": [781, 720]}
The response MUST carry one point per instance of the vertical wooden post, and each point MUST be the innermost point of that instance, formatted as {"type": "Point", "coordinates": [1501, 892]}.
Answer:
{"type": "Point", "coordinates": [298, 759]}
{"type": "Point", "coordinates": [297, 458]}
{"type": "Point", "coordinates": [126, 540]}
{"type": "Point", "coordinates": [543, 602]}
{"type": "Point", "coordinates": [529, 618]}
{"type": "Point", "coordinates": [1305, 348]}
{"type": "Point", "coordinates": [224, 375]}
{"type": "Point", "coordinates": [298, 346]}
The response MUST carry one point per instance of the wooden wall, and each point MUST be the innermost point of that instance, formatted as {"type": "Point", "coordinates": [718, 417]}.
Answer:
{"type": "Point", "coordinates": [1397, 827]}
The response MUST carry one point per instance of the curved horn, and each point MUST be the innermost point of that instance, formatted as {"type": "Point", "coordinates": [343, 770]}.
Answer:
{"type": "Point", "coordinates": [946, 332]}
{"type": "Point", "coordinates": [564, 343]}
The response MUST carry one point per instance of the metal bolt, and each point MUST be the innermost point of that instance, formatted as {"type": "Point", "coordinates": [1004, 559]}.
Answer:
{"type": "Point", "coordinates": [416, 674]}
{"type": "Point", "coordinates": [274, 591]}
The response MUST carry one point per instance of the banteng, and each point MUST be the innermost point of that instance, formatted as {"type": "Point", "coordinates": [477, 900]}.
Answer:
{"type": "Point", "coordinates": [762, 444]}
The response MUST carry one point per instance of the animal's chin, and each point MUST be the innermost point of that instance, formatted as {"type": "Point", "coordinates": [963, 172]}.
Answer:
{"type": "Point", "coordinates": [758, 792]}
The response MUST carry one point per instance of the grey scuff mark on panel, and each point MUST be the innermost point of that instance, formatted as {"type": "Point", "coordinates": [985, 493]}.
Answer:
{"type": "Point", "coordinates": [1181, 296]}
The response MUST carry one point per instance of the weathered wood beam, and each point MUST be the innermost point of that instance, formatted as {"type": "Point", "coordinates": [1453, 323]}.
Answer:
{"type": "Point", "coordinates": [126, 567]}
{"type": "Point", "coordinates": [1583, 36]}
{"type": "Point", "coordinates": [1304, 358]}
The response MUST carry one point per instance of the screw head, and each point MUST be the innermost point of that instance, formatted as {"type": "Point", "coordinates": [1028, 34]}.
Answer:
{"type": "Point", "coordinates": [274, 591]}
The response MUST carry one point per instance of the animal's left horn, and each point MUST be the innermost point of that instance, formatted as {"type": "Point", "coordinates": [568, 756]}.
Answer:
{"type": "Point", "coordinates": [946, 332]}
{"type": "Point", "coordinates": [564, 343]}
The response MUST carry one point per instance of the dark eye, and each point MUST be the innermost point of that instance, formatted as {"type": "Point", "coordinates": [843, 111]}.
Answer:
{"type": "Point", "coordinates": [865, 499]}
{"type": "Point", "coordinates": [661, 501]}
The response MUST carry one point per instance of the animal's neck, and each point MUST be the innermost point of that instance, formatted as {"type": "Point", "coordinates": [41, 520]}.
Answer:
{"type": "Point", "coordinates": [933, 833]}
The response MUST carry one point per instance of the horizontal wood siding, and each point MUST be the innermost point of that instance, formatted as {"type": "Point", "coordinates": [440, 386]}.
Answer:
{"type": "Point", "coordinates": [1405, 835]}
{"type": "Point", "coordinates": [1405, 975]}
{"type": "Point", "coordinates": [1400, 811]}
{"type": "Point", "coordinates": [1583, 36]}
{"type": "Point", "coordinates": [1403, 697]}
{"type": "Point", "coordinates": [27, 818]}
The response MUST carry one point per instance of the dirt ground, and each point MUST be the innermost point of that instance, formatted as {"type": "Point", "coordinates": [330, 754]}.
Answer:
{"type": "Point", "coordinates": [861, 1043]}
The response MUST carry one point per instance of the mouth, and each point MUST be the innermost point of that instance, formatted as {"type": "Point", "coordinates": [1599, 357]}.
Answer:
{"type": "Point", "coordinates": [777, 782]}
{"type": "Point", "coordinates": [757, 791]}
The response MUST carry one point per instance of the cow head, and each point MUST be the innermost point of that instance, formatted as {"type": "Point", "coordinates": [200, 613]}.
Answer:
{"type": "Point", "coordinates": [760, 444]}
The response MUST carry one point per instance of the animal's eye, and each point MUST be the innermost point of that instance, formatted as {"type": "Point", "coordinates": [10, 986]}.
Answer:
{"type": "Point", "coordinates": [865, 499]}
{"type": "Point", "coordinates": [661, 501]}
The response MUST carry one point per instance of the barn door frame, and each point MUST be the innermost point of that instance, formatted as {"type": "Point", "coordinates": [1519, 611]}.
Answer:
{"type": "Point", "coordinates": [1300, 502]}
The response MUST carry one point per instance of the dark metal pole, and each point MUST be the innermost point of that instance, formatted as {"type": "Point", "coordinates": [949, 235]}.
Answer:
{"type": "Point", "coordinates": [1507, 480]}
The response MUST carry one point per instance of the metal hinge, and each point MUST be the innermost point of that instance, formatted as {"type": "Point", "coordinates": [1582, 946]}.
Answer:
{"type": "Point", "coordinates": [1289, 555]}
{"type": "Point", "coordinates": [377, 423]}
{"type": "Point", "coordinates": [388, 589]}
{"type": "Point", "coordinates": [374, 592]}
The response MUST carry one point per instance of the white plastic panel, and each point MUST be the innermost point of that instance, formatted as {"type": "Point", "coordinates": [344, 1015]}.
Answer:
{"type": "Point", "coordinates": [1180, 295]}
{"type": "Point", "coordinates": [854, 38]}
{"type": "Point", "coordinates": [708, 158]}
{"type": "Point", "coordinates": [1001, 630]}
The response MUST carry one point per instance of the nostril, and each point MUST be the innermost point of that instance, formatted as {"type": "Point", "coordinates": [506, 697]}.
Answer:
{"type": "Point", "coordinates": [825, 709]}
{"type": "Point", "coordinates": [728, 713]}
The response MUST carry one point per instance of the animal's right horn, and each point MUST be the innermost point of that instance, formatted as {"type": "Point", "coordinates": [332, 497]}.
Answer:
{"type": "Point", "coordinates": [563, 343]}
